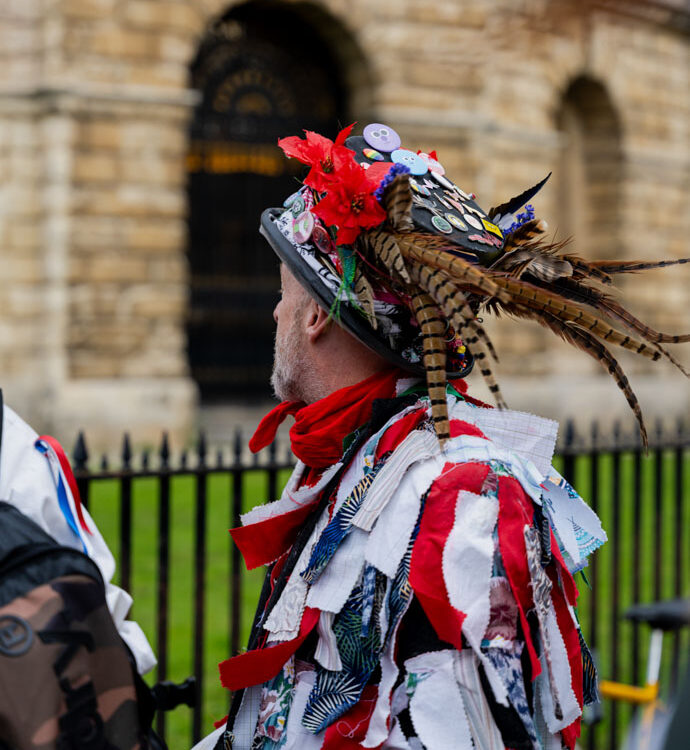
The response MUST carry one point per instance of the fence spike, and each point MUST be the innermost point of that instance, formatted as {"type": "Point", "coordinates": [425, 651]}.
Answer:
{"type": "Point", "coordinates": [183, 459]}
{"type": "Point", "coordinates": [616, 434]}
{"type": "Point", "coordinates": [104, 462]}
{"type": "Point", "coordinates": [272, 451]}
{"type": "Point", "coordinates": [659, 431]}
{"type": "Point", "coordinates": [164, 452]}
{"type": "Point", "coordinates": [80, 454]}
{"type": "Point", "coordinates": [237, 445]}
{"type": "Point", "coordinates": [594, 434]}
{"type": "Point", "coordinates": [219, 458]}
{"type": "Point", "coordinates": [202, 448]}
{"type": "Point", "coordinates": [289, 456]}
{"type": "Point", "coordinates": [145, 459]}
{"type": "Point", "coordinates": [569, 435]}
{"type": "Point", "coordinates": [126, 452]}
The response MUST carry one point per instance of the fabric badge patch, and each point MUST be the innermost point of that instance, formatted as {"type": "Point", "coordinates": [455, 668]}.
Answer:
{"type": "Point", "coordinates": [276, 697]}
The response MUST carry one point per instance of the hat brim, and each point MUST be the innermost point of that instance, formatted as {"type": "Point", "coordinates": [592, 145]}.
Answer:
{"type": "Point", "coordinates": [351, 319]}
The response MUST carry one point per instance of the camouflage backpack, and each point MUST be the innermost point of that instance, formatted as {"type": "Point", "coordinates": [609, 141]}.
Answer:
{"type": "Point", "coordinates": [67, 679]}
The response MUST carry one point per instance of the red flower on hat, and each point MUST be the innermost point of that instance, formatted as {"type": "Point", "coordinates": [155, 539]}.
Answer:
{"type": "Point", "coordinates": [349, 203]}
{"type": "Point", "coordinates": [323, 155]}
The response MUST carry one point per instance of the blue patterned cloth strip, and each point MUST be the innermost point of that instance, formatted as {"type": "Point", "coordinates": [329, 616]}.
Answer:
{"type": "Point", "coordinates": [338, 528]}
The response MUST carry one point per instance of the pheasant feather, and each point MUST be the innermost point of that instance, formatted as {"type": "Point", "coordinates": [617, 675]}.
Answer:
{"type": "Point", "coordinates": [434, 352]}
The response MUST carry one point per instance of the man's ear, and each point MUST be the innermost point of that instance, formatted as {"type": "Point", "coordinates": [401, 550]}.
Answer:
{"type": "Point", "coordinates": [318, 321]}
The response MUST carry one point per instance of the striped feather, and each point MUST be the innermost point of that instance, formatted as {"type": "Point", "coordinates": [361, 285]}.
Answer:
{"type": "Point", "coordinates": [528, 232]}
{"type": "Point", "coordinates": [385, 249]}
{"type": "Point", "coordinates": [586, 342]}
{"type": "Point", "coordinates": [432, 281]}
{"type": "Point", "coordinates": [397, 202]}
{"type": "Point", "coordinates": [365, 297]}
{"type": "Point", "coordinates": [457, 269]}
{"type": "Point", "coordinates": [604, 303]}
{"type": "Point", "coordinates": [632, 266]}
{"type": "Point", "coordinates": [434, 347]}
{"type": "Point", "coordinates": [451, 297]}
{"type": "Point", "coordinates": [529, 295]}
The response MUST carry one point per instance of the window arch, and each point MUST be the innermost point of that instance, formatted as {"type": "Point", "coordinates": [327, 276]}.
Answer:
{"type": "Point", "coordinates": [590, 171]}
{"type": "Point", "coordinates": [264, 70]}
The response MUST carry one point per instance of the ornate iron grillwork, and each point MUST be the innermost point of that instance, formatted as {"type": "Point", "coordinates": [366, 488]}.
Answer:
{"type": "Point", "coordinates": [260, 79]}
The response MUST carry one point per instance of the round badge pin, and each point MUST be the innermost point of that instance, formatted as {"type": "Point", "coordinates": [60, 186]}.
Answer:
{"type": "Point", "coordinates": [297, 206]}
{"type": "Point", "coordinates": [291, 199]}
{"type": "Point", "coordinates": [381, 137]}
{"type": "Point", "coordinates": [473, 221]}
{"type": "Point", "coordinates": [442, 180]}
{"type": "Point", "coordinates": [409, 159]}
{"type": "Point", "coordinates": [456, 221]}
{"type": "Point", "coordinates": [441, 224]}
{"type": "Point", "coordinates": [303, 226]}
{"type": "Point", "coordinates": [321, 239]}
{"type": "Point", "coordinates": [373, 154]}
{"type": "Point", "coordinates": [432, 164]}
{"type": "Point", "coordinates": [421, 189]}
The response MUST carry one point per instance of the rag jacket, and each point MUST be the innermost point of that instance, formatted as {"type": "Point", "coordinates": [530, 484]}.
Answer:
{"type": "Point", "coordinates": [418, 597]}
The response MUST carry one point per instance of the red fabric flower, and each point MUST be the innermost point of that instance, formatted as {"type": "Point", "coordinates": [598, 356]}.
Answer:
{"type": "Point", "coordinates": [349, 203]}
{"type": "Point", "coordinates": [323, 156]}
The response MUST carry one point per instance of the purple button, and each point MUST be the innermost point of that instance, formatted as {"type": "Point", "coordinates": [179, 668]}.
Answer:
{"type": "Point", "coordinates": [303, 226]}
{"type": "Point", "coordinates": [381, 137]}
{"type": "Point", "coordinates": [412, 161]}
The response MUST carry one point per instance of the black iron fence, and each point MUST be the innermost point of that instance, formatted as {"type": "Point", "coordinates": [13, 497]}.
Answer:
{"type": "Point", "coordinates": [643, 500]}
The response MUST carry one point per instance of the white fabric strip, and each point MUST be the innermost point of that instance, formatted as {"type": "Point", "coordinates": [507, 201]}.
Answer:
{"type": "Point", "coordinates": [378, 723]}
{"type": "Point", "coordinates": [390, 536]}
{"type": "Point", "coordinates": [485, 733]}
{"type": "Point", "coordinates": [533, 438]}
{"type": "Point", "coordinates": [396, 739]}
{"type": "Point", "coordinates": [417, 446]}
{"type": "Point", "coordinates": [291, 497]}
{"type": "Point", "coordinates": [561, 686]}
{"type": "Point", "coordinates": [333, 587]}
{"type": "Point", "coordinates": [467, 448]}
{"type": "Point", "coordinates": [436, 706]}
{"type": "Point", "coordinates": [297, 737]}
{"type": "Point", "coordinates": [284, 620]}
{"type": "Point", "coordinates": [326, 652]}
{"type": "Point", "coordinates": [467, 565]}
{"type": "Point", "coordinates": [245, 721]}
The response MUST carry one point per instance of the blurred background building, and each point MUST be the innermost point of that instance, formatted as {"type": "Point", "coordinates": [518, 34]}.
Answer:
{"type": "Point", "coordinates": [138, 148]}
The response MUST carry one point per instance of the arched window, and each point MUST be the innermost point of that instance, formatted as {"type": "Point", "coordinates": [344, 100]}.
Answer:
{"type": "Point", "coordinates": [264, 71]}
{"type": "Point", "coordinates": [590, 169]}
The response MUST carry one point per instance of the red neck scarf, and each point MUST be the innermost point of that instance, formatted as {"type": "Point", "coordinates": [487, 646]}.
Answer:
{"type": "Point", "coordinates": [320, 428]}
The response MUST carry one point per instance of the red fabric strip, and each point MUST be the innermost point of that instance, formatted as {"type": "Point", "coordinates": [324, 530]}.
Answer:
{"type": "Point", "coordinates": [71, 481]}
{"type": "Point", "coordinates": [265, 541]}
{"type": "Point", "coordinates": [398, 431]}
{"type": "Point", "coordinates": [426, 564]}
{"type": "Point", "coordinates": [349, 731]}
{"type": "Point", "coordinates": [258, 666]}
{"type": "Point", "coordinates": [569, 584]}
{"type": "Point", "coordinates": [572, 646]}
{"type": "Point", "coordinates": [460, 427]}
{"type": "Point", "coordinates": [514, 513]}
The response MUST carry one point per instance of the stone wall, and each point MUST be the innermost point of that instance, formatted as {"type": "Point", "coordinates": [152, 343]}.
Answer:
{"type": "Point", "coordinates": [94, 105]}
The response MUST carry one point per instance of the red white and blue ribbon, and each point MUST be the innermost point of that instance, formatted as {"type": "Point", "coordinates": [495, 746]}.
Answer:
{"type": "Point", "coordinates": [69, 499]}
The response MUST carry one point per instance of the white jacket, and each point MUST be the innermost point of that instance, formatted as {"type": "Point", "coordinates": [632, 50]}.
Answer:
{"type": "Point", "coordinates": [27, 483]}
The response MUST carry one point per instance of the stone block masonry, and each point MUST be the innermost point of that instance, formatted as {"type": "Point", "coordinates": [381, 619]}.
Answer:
{"type": "Point", "coordinates": [94, 111]}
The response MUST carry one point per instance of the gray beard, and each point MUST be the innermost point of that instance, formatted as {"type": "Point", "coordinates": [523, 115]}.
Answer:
{"type": "Point", "coordinates": [289, 368]}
